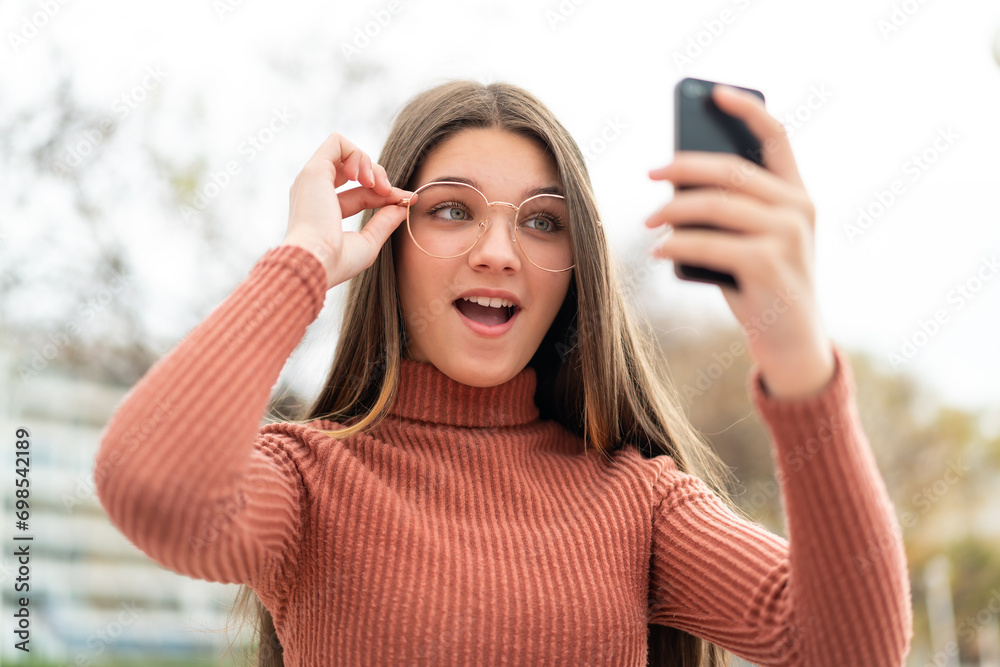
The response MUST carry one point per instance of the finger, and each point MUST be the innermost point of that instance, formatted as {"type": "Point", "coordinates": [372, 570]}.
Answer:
{"type": "Point", "coordinates": [776, 149]}
{"type": "Point", "coordinates": [339, 153]}
{"type": "Point", "coordinates": [381, 226]}
{"type": "Point", "coordinates": [334, 153]}
{"type": "Point", "coordinates": [733, 211]}
{"type": "Point", "coordinates": [721, 251]}
{"type": "Point", "coordinates": [356, 169]}
{"type": "Point", "coordinates": [724, 170]}
{"type": "Point", "coordinates": [382, 184]}
{"type": "Point", "coordinates": [366, 173]}
{"type": "Point", "coordinates": [358, 199]}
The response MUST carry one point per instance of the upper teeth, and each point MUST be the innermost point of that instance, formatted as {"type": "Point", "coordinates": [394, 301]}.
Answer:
{"type": "Point", "coordinates": [492, 302]}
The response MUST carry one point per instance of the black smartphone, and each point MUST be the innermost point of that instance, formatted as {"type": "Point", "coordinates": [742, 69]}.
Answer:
{"type": "Point", "coordinates": [700, 125]}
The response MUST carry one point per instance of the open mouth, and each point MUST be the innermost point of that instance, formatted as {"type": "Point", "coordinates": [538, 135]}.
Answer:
{"type": "Point", "coordinates": [488, 315]}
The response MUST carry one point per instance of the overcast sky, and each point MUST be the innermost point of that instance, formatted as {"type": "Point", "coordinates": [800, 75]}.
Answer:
{"type": "Point", "coordinates": [892, 108]}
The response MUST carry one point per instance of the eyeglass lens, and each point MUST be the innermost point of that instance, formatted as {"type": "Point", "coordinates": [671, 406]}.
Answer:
{"type": "Point", "coordinates": [448, 219]}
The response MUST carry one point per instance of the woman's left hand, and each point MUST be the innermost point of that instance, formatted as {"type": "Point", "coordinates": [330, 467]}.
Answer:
{"type": "Point", "coordinates": [770, 253]}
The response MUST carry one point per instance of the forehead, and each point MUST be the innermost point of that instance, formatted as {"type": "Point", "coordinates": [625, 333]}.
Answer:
{"type": "Point", "coordinates": [501, 162]}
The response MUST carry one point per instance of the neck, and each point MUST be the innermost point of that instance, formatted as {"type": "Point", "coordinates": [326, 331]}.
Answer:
{"type": "Point", "coordinates": [427, 394]}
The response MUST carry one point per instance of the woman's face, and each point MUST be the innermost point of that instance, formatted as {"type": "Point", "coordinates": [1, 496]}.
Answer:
{"type": "Point", "coordinates": [503, 166]}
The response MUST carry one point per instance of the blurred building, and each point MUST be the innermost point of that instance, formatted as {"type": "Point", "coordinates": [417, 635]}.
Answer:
{"type": "Point", "coordinates": [93, 593]}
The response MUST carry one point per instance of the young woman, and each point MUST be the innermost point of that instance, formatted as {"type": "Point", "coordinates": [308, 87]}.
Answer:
{"type": "Point", "coordinates": [495, 471]}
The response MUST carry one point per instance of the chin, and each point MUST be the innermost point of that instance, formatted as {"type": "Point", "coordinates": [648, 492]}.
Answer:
{"type": "Point", "coordinates": [481, 372]}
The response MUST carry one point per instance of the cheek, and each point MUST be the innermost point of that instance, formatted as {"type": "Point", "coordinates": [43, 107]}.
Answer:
{"type": "Point", "coordinates": [415, 282]}
{"type": "Point", "coordinates": [555, 295]}
{"type": "Point", "coordinates": [404, 286]}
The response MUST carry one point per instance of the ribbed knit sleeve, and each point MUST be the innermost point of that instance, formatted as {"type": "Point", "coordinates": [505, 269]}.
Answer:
{"type": "Point", "coordinates": [836, 592]}
{"type": "Point", "coordinates": [178, 470]}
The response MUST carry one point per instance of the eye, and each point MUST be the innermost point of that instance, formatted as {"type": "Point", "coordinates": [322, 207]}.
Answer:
{"type": "Point", "coordinates": [541, 224]}
{"type": "Point", "coordinates": [452, 211]}
{"type": "Point", "coordinates": [544, 222]}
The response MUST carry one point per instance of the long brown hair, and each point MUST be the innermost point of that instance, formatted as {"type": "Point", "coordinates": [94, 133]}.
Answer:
{"type": "Point", "coordinates": [599, 374]}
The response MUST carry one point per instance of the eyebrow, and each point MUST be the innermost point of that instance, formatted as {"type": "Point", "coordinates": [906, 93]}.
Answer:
{"type": "Point", "coordinates": [527, 194]}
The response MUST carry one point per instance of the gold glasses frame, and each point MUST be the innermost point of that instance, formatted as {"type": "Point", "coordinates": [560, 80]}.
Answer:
{"type": "Point", "coordinates": [484, 225]}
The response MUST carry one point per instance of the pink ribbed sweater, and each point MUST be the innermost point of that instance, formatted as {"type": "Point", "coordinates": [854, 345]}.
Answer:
{"type": "Point", "coordinates": [467, 531]}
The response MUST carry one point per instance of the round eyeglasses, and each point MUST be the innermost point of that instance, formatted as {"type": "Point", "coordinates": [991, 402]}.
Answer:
{"type": "Point", "coordinates": [449, 218]}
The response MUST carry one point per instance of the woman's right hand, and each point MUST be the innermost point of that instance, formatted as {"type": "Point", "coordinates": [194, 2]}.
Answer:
{"type": "Point", "coordinates": [316, 210]}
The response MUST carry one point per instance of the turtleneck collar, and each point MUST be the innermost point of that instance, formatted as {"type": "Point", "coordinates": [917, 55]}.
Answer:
{"type": "Point", "coordinates": [427, 394]}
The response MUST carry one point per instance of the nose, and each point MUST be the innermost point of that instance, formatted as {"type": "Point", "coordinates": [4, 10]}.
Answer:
{"type": "Point", "coordinates": [497, 248]}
